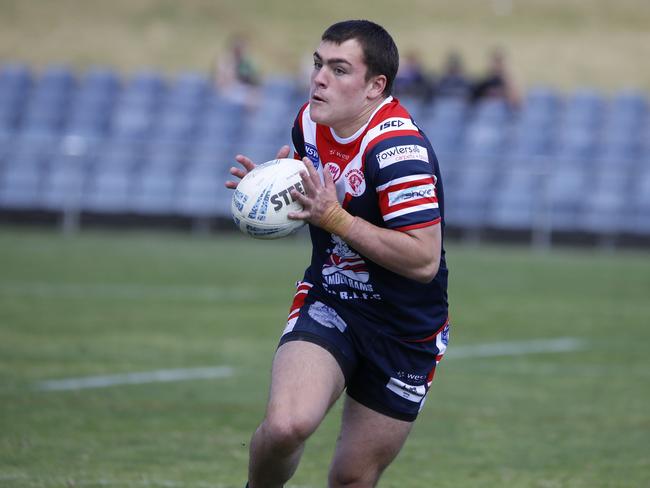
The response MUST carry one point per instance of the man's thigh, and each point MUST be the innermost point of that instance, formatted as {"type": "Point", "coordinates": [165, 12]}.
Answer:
{"type": "Point", "coordinates": [306, 380]}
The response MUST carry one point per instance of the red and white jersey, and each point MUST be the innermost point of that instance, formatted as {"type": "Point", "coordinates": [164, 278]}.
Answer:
{"type": "Point", "coordinates": [386, 173]}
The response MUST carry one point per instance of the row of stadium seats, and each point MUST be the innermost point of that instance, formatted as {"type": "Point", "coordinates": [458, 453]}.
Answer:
{"type": "Point", "coordinates": [153, 145]}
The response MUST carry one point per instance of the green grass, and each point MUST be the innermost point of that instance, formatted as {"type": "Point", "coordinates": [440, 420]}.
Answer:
{"type": "Point", "coordinates": [565, 43]}
{"type": "Point", "coordinates": [107, 303]}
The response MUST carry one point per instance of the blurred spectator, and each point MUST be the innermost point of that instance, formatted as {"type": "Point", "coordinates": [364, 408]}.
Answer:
{"type": "Point", "coordinates": [412, 79]}
{"type": "Point", "coordinates": [454, 82]}
{"type": "Point", "coordinates": [235, 74]}
{"type": "Point", "coordinates": [497, 82]}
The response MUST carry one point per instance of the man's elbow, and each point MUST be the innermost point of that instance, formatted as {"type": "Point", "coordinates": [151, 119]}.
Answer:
{"type": "Point", "coordinates": [426, 273]}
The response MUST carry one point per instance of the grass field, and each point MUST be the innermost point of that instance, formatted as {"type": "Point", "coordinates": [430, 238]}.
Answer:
{"type": "Point", "coordinates": [121, 303]}
{"type": "Point", "coordinates": [565, 43]}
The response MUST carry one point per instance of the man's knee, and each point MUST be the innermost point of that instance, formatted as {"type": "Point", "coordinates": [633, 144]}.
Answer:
{"type": "Point", "coordinates": [286, 431]}
{"type": "Point", "coordinates": [354, 477]}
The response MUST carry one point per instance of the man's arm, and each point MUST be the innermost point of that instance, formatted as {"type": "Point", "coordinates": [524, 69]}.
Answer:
{"type": "Point", "coordinates": [414, 254]}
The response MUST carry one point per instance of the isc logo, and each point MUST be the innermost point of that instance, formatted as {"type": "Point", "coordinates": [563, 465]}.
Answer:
{"type": "Point", "coordinates": [395, 123]}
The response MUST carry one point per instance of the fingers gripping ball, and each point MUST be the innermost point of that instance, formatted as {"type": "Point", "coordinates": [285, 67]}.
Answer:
{"type": "Point", "coordinates": [262, 200]}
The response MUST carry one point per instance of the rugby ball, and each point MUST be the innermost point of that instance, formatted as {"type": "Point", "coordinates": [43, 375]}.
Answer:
{"type": "Point", "coordinates": [262, 200]}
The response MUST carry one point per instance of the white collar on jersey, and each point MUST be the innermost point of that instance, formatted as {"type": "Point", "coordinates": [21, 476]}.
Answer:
{"type": "Point", "coordinates": [346, 140]}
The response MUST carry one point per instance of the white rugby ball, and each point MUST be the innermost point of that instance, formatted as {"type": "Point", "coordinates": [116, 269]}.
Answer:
{"type": "Point", "coordinates": [262, 200]}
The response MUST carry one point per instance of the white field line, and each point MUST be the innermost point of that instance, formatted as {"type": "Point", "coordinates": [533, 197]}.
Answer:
{"type": "Point", "coordinates": [516, 348]}
{"type": "Point", "coordinates": [128, 291]}
{"type": "Point", "coordinates": [142, 483]}
{"type": "Point", "coordinates": [159, 376]}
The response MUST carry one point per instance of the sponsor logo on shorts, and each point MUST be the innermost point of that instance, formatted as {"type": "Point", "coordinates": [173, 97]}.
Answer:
{"type": "Point", "coordinates": [412, 393]}
{"type": "Point", "coordinates": [326, 316]}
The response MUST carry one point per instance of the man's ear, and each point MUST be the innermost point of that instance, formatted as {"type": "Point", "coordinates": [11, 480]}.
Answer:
{"type": "Point", "coordinates": [377, 86]}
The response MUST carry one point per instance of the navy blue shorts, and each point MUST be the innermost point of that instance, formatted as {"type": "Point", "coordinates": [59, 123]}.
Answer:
{"type": "Point", "coordinates": [385, 373]}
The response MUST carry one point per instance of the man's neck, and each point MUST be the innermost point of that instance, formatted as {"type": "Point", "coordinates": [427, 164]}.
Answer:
{"type": "Point", "coordinates": [362, 119]}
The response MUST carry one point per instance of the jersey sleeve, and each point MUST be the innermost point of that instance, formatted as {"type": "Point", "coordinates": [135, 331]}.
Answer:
{"type": "Point", "coordinates": [405, 183]}
{"type": "Point", "coordinates": [297, 136]}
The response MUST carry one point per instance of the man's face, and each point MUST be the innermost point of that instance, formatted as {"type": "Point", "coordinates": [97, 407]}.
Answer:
{"type": "Point", "coordinates": [339, 94]}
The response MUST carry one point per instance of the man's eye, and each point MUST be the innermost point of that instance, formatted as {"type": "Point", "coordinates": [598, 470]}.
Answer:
{"type": "Point", "coordinates": [318, 64]}
{"type": "Point", "coordinates": [339, 71]}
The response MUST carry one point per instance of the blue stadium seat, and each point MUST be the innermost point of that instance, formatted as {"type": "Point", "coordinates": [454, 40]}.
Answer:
{"type": "Point", "coordinates": [63, 185]}
{"type": "Point", "coordinates": [177, 123]}
{"type": "Point", "coordinates": [585, 107]}
{"type": "Point", "coordinates": [271, 124]}
{"type": "Point", "coordinates": [15, 84]}
{"type": "Point", "coordinates": [565, 190]}
{"type": "Point", "coordinates": [92, 121]}
{"type": "Point", "coordinates": [101, 81]}
{"type": "Point", "coordinates": [210, 162]}
{"type": "Point", "coordinates": [467, 194]}
{"type": "Point", "coordinates": [484, 141]}
{"type": "Point", "coordinates": [625, 119]}
{"type": "Point", "coordinates": [491, 111]}
{"type": "Point", "coordinates": [282, 88]}
{"type": "Point", "coordinates": [222, 122]}
{"type": "Point", "coordinates": [603, 205]}
{"type": "Point", "coordinates": [20, 187]}
{"type": "Point", "coordinates": [515, 200]}
{"type": "Point", "coordinates": [542, 99]}
{"type": "Point", "coordinates": [118, 156]}
{"type": "Point", "coordinates": [15, 77]}
{"type": "Point", "coordinates": [153, 192]}
{"type": "Point", "coordinates": [146, 83]}
{"type": "Point", "coordinates": [134, 116]}
{"type": "Point", "coordinates": [200, 195]}
{"type": "Point", "coordinates": [107, 192]}
{"type": "Point", "coordinates": [529, 149]}
{"type": "Point", "coordinates": [639, 204]}
{"type": "Point", "coordinates": [187, 94]}
{"type": "Point", "coordinates": [632, 104]}
{"type": "Point", "coordinates": [165, 154]}
{"type": "Point", "coordinates": [444, 124]}
{"type": "Point", "coordinates": [132, 122]}
{"type": "Point", "coordinates": [92, 111]}
{"type": "Point", "coordinates": [47, 107]}
{"type": "Point", "coordinates": [453, 110]}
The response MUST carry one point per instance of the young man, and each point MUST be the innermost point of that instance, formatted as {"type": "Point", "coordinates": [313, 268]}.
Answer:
{"type": "Point", "coordinates": [370, 315]}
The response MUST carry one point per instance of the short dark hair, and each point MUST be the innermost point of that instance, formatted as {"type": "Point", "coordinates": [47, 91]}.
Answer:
{"type": "Point", "coordinates": [380, 53]}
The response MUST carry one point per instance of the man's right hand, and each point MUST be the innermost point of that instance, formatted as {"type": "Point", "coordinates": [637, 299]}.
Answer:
{"type": "Point", "coordinates": [248, 166]}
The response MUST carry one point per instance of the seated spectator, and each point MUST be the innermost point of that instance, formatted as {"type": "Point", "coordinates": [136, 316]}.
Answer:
{"type": "Point", "coordinates": [412, 79]}
{"type": "Point", "coordinates": [236, 76]}
{"type": "Point", "coordinates": [497, 82]}
{"type": "Point", "coordinates": [453, 82]}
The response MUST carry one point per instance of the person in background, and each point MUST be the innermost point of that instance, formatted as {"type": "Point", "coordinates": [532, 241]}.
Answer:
{"type": "Point", "coordinates": [453, 83]}
{"type": "Point", "coordinates": [236, 76]}
{"type": "Point", "coordinates": [497, 82]}
{"type": "Point", "coordinates": [412, 80]}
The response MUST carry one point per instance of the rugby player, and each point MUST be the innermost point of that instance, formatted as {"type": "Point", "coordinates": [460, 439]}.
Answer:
{"type": "Point", "coordinates": [370, 315]}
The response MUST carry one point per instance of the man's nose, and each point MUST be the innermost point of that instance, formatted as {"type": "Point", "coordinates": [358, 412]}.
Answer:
{"type": "Point", "coordinates": [320, 78]}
